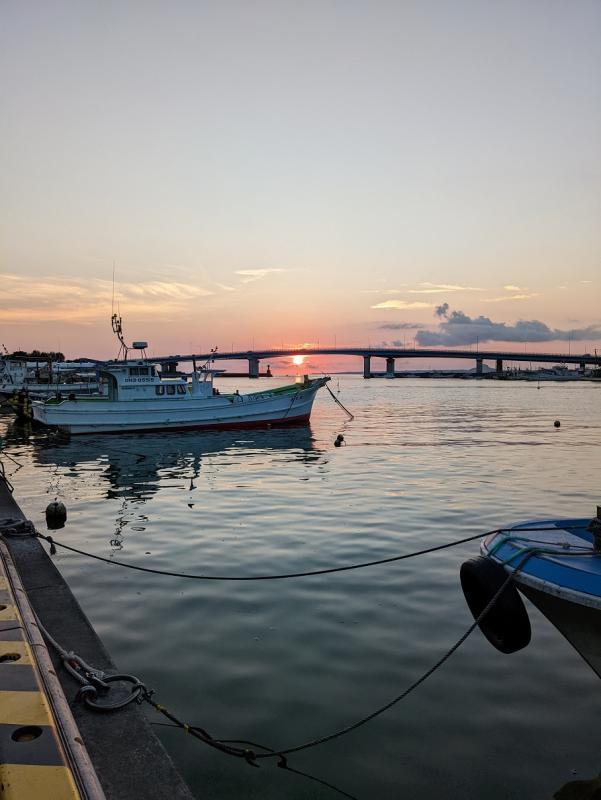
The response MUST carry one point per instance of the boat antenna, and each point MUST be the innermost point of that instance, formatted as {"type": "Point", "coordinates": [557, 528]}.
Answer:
{"type": "Point", "coordinates": [113, 297]}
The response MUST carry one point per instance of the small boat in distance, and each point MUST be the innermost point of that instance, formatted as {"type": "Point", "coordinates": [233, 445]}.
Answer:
{"type": "Point", "coordinates": [142, 398]}
{"type": "Point", "coordinates": [42, 379]}
{"type": "Point", "coordinates": [556, 564]}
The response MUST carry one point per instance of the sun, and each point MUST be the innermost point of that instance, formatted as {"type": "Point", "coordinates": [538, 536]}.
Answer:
{"type": "Point", "coordinates": [298, 360]}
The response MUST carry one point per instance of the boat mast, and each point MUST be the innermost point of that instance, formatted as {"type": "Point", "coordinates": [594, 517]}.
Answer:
{"type": "Point", "coordinates": [118, 330]}
{"type": "Point", "coordinates": [117, 325]}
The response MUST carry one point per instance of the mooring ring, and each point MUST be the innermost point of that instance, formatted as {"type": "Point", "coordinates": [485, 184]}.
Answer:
{"type": "Point", "coordinates": [136, 690]}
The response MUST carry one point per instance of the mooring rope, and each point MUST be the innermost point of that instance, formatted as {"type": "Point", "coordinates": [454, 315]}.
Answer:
{"type": "Point", "coordinates": [251, 756]}
{"type": "Point", "coordinates": [282, 763]}
{"type": "Point", "coordinates": [4, 477]}
{"type": "Point", "coordinates": [336, 400]}
{"type": "Point", "coordinates": [309, 573]}
{"type": "Point", "coordinates": [326, 571]}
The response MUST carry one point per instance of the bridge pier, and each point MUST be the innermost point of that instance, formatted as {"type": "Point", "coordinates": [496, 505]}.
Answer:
{"type": "Point", "coordinates": [390, 366]}
{"type": "Point", "coordinates": [253, 367]}
{"type": "Point", "coordinates": [478, 366]}
{"type": "Point", "coordinates": [499, 365]}
{"type": "Point", "coordinates": [367, 366]}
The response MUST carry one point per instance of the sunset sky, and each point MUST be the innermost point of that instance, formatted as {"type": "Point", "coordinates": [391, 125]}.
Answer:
{"type": "Point", "coordinates": [276, 173]}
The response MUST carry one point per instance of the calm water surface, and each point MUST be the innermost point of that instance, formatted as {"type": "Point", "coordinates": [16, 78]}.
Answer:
{"type": "Point", "coordinates": [280, 662]}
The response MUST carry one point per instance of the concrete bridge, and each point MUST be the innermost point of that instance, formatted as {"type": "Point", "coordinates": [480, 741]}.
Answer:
{"type": "Point", "coordinates": [389, 354]}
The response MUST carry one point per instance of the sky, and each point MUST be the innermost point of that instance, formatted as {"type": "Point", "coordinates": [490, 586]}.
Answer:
{"type": "Point", "coordinates": [279, 173]}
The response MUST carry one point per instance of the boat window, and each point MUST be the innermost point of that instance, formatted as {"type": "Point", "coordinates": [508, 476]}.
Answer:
{"type": "Point", "coordinates": [181, 389]}
{"type": "Point", "coordinates": [171, 390]}
{"type": "Point", "coordinates": [159, 389]}
{"type": "Point", "coordinates": [143, 371]}
{"type": "Point", "coordinates": [134, 370]}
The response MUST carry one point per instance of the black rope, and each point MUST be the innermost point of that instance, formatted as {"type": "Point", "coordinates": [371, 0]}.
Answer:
{"type": "Point", "coordinates": [336, 400]}
{"type": "Point", "coordinates": [309, 573]}
{"type": "Point", "coordinates": [282, 763]}
{"type": "Point", "coordinates": [14, 460]}
{"type": "Point", "coordinates": [415, 684]}
{"type": "Point", "coordinates": [251, 756]}
{"type": "Point", "coordinates": [4, 478]}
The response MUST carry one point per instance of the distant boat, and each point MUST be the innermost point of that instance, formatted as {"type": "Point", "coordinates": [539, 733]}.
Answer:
{"type": "Point", "coordinates": [140, 398]}
{"type": "Point", "coordinates": [45, 379]}
{"type": "Point", "coordinates": [557, 565]}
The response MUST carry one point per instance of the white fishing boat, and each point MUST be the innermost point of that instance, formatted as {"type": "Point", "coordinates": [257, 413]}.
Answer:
{"type": "Point", "coordinates": [142, 398]}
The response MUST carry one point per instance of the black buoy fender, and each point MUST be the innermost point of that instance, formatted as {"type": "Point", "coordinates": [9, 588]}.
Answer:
{"type": "Point", "coordinates": [56, 515]}
{"type": "Point", "coordinates": [506, 624]}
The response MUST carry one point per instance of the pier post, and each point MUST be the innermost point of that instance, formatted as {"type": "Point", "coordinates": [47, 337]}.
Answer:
{"type": "Point", "coordinates": [390, 366]}
{"type": "Point", "coordinates": [478, 366]}
{"type": "Point", "coordinates": [253, 367]}
{"type": "Point", "coordinates": [499, 365]}
{"type": "Point", "coordinates": [367, 366]}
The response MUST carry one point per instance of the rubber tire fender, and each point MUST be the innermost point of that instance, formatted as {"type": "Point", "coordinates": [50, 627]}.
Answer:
{"type": "Point", "coordinates": [506, 625]}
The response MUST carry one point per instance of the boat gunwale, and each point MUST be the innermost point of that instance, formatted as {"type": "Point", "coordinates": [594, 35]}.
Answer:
{"type": "Point", "coordinates": [527, 574]}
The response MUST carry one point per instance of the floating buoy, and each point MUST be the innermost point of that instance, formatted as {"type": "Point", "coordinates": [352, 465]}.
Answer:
{"type": "Point", "coordinates": [339, 440]}
{"type": "Point", "coordinates": [557, 423]}
{"type": "Point", "coordinates": [56, 515]}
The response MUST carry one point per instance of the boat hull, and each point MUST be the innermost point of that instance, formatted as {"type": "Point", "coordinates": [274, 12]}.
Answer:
{"type": "Point", "coordinates": [218, 412]}
{"type": "Point", "coordinates": [579, 624]}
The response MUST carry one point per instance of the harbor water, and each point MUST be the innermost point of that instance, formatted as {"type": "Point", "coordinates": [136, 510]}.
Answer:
{"type": "Point", "coordinates": [279, 662]}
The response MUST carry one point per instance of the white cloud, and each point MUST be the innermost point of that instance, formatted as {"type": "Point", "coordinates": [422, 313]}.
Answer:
{"type": "Point", "coordinates": [26, 299]}
{"type": "Point", "coordinates": [507, 297]}
{"type": "Point", "coordinates": [435, 288]}
{"type": "Point", "coordinates": [401, 304]}
{"type": "Point", "coordinates": [250, 275]}
{"type": "Point", "coordinates": [381, 291]}
{"type": "Point", "coordinates": [425, 287]}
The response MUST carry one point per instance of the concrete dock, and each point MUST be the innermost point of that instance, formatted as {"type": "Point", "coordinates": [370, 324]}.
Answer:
{"type": "Point", "coordinates": [129, 760]}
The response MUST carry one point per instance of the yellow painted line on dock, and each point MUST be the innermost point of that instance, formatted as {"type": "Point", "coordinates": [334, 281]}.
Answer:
{"type": "Point", "coordinates": [29, 782]}
{"type": "Point", "coordinates": [15, 652]}
{"type": "Point", "coordinates": [8, 612]}
{"type": "Point", "coordinates": [34, 763]}
{"type": "Point", "coordinates": [23, 708]}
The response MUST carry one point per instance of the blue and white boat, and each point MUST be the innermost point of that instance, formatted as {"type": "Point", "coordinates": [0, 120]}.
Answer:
{"type": "Point", "coordinates": [556, 564]}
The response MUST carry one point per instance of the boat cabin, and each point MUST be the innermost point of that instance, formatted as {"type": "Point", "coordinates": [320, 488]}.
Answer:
{"type": "Point", "coordinates": [140, 380]}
